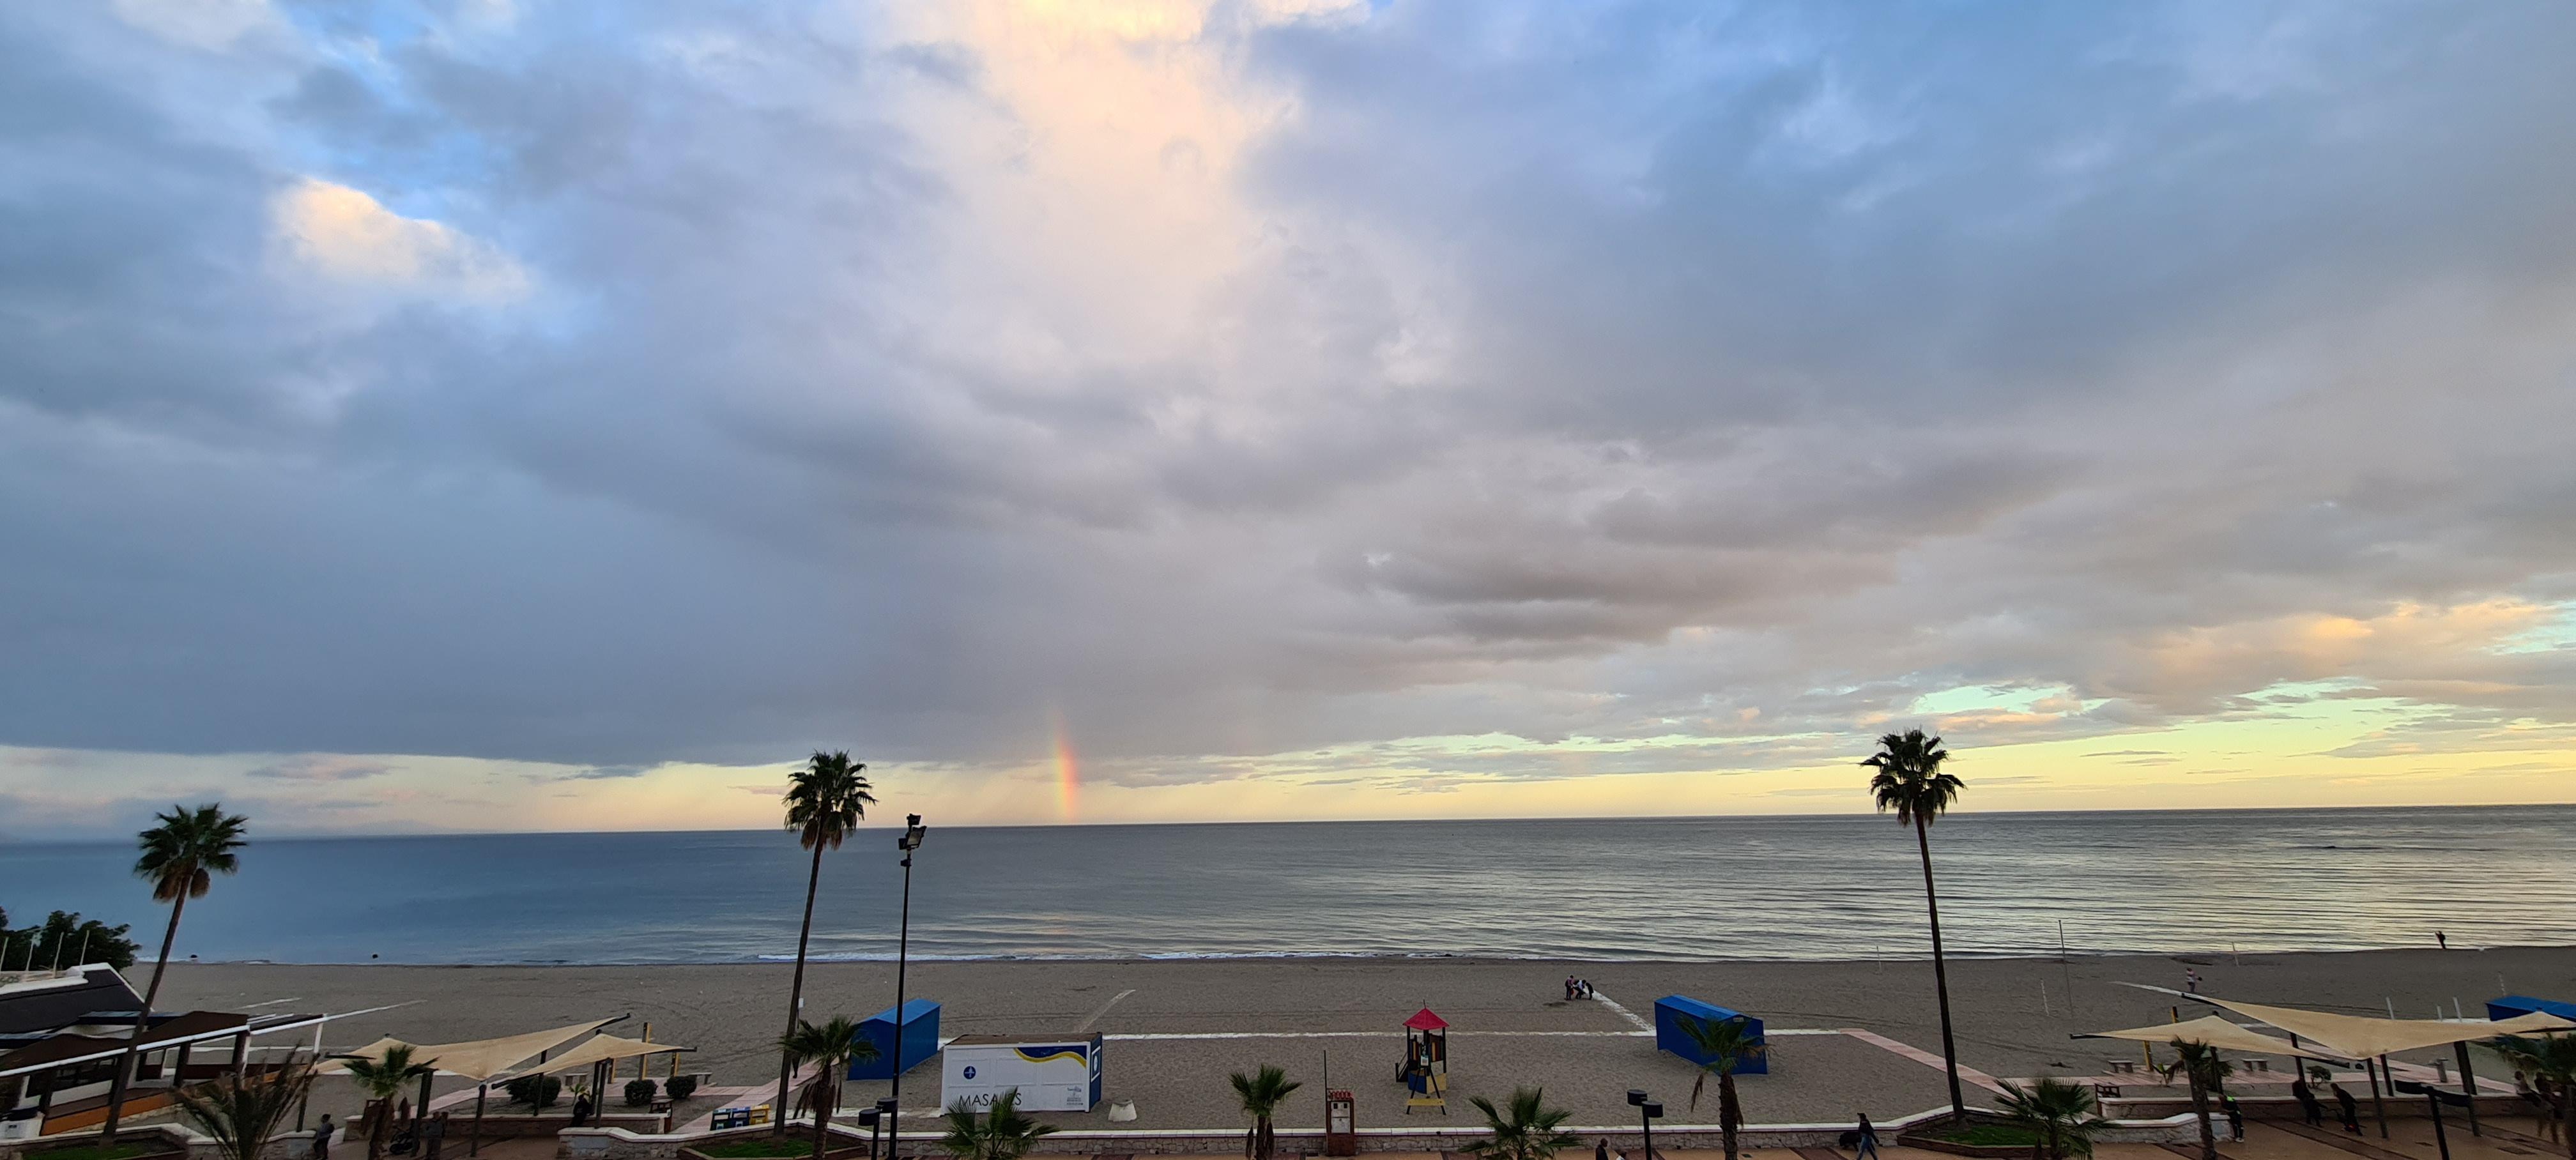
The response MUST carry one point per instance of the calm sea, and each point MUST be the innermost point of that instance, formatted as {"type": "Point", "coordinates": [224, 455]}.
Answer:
{"type": "Point", "coordinates": [1700, 888]}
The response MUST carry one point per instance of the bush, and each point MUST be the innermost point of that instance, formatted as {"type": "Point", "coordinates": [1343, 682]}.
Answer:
{"type": "Point", "coordinates": [539, 1092]}
{"type": "Point", "coordinates": [639, 1092]}
{"type": "Point", "coordinates": [680, 1087]}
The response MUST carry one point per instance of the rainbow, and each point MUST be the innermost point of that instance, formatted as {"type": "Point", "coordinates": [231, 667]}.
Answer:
{"type": "Point", "coordinates": [1068, 776]}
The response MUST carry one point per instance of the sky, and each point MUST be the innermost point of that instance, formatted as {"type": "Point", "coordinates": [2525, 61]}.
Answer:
{"type": "Point", "coordinates": [540, 415]}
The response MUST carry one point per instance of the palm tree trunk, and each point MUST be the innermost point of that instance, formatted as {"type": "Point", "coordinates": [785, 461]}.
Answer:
{"type": "Point", "coordinates": [1727, 1113]}
{"type": "Point", "coordinates": [142, 1023]}
{"type": "Point", "coordinates": [2567, 1118]}
{"type": "Point", "coordinates": [822, 1111]}
{"type": "Point", "coordinates": [796, 993]}
{"type": "Point", "coordinates": [2200, 1112]}
{"type": "Point", "coordinates": [1940, 973]}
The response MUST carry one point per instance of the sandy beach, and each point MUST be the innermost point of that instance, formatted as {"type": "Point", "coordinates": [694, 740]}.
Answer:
{"type": "Point", "coordinates": [1199, 1019]}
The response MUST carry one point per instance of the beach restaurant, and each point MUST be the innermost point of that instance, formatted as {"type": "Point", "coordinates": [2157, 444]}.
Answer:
{"type": "Point", "coordinates": [63, 1032]}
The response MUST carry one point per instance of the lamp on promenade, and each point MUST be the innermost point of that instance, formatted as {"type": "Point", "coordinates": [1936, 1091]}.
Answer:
{"type": "Point", "coordinates": [892, 1108]}
{"type": "Point", "coordinates": [1648, 1112]}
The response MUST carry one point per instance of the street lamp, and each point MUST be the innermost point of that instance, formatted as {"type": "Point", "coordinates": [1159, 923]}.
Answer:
{"type": "Point", "coordinates": [869, 1118]}
{"type": "Point", "coordinates": [892, 1108]}
{"type": "Point", "coordinates": [1648, 1112]}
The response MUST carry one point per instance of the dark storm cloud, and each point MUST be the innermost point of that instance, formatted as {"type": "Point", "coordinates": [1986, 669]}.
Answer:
{"type": "Point", "coordinates": [1650, 371]}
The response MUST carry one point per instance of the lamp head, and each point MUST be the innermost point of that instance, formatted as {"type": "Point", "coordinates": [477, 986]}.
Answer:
{"type": "Point", "coordinates": [1654, 1111]}
{"type": "Point", "coordinates": [1636, 1097]}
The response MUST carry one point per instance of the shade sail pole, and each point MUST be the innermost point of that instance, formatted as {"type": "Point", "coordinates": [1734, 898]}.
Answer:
{"type": "Point", "coordinates": [2468, 1085]}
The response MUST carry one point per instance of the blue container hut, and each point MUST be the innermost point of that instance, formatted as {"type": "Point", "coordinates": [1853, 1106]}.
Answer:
{"type": "Point", "coordinates": [1672, 1011]}
{"type": "Point", "coordinates": [899, 1050]}
{"type": "Point", "coordinates": [2508, 1006]}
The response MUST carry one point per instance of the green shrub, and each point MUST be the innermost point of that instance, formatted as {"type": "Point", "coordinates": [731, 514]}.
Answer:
{"type": "Point", "coordinates": [539, 1092]}
{"type": "Point", "coordinates": [639, 1092]}
{"type": "Point", "coordinates": [680, 1087]}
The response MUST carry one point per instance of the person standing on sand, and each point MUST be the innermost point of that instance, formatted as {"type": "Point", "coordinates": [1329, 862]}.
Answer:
{"type": "Point", "coordinates": [2347, 1109]}
{"type": "Point", "coordinates": [2191, 980]}
{"type": "Point", "coordinates": [2314, 1112]}
{"type": "Point", "coordinates": [2443, 939]}
{"type": "Point", "coordinates": [1868, 1145]}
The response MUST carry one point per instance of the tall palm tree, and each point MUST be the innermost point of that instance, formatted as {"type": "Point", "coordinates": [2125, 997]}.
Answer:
{"type": "Point", "coordinates": [384, 1081]}
{"type": "Point", "coordinates": [1910, 781]}
{"type": "Point", "coordinates": [2058, 1115]}
{"type": "Point", "coordinates": [1727, 1043]}
{"type": "Point", "coordinates": [180, 857]}
{"type": "Point", "coordinates": [825, 801]}
{"type": "Point", "coordinates": [1262, 1092]}
{"type": "Point", "coordinates": [2201, 1067]}
{"type": "Point", "coordinates": [241, 1112]}
{"type": "Point", "coordinates": [1003, 1132]}
{"type": "Point", "coordinates": [2550, 1057]}
{"type": "Point", "coordinates": [832, 1047]}
{"type": "Point", "coordinates": [1525, 1129]}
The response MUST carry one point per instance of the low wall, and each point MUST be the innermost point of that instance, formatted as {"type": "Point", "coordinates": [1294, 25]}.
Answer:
{"type": "Point", "coordinates": [2285, 1108]}
{"type": "Point", "coordinates": [619, 1144]}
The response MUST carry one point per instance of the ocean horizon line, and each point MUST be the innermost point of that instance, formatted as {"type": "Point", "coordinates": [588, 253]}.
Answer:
{"type": "Point", "coordinates": [1954, 814]}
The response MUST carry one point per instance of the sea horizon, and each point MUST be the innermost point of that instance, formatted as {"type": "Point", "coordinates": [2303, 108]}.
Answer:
{"type": "Point", "coordinates": [1793, 887]}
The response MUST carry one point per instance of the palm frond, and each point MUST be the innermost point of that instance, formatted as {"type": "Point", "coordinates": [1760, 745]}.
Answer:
{"type": "Point", "coordinates": [242, 1112]}
{"type": "Point", "coordinates": [827, 799]}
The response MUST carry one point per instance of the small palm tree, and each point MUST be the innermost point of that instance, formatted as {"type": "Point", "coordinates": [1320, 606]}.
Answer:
{"type": "Point", "coordinates": [180, 857]}
{"type": "Point", "coordinates": [1262, 1092]}
{"type": "Point", "coordinates": [2058, 1114]}
{"type": "Point", "coordinates": [2200, 1066]}
{"type": "Point", "coordinates": [1524, 1130]}
{"type": "Point", "coordinates": [1910, 782]}
{"type": "Point", "coordinates": [384, 1081]}
{"type": "Point", "coordinates": [832, 1048]}
{"type": "Point", "coordinates": [1003, 1132]}
{"type": "Point", "coordinates": [1726, 1043]}
{"type": "Point", "coordinates": [2550, 1057]}
{"type": "Point", "coordinates": [240, 1113]}
{"type": "Point", "coordinates": [825, 801]}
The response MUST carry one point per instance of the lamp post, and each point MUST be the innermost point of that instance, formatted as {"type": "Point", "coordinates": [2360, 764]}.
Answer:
{"type": "Point", "coordinates": [892, 1107]}
{"type": "Point", "coordinates": [1648, 1112]}
{"type": "Point", "coordinates": [869, 1119]}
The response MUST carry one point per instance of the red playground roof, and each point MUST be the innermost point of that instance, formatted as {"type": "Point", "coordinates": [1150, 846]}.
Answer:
{"type": "Point", "coordinates": [1424, 1020]}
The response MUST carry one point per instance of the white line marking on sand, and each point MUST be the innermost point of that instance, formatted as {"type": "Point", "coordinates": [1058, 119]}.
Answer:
{"type": "Point", "coordinates": [272, 1002]}
{"type": "Point", "coordinates": [1104, 1009]}
{"type": "Point", "coordinates": [1624, 1013]}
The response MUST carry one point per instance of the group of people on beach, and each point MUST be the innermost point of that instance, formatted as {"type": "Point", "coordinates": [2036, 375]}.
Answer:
{"type": "Point", "coordinates": [1577, 988]}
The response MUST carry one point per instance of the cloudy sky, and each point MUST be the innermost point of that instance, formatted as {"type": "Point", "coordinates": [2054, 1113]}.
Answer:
{"type": "Point", "coordinates": [538, 415]}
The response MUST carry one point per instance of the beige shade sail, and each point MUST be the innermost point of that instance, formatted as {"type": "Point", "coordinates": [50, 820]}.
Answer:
{"type": "Point", "coordinates": [477, 1060]}
{"type": "Point", "coordinates": [605, 1047]}
{"type": "Point", "coordinates": [2209, 1029]}
{"type": "Point", "coordinates": [2362, 1037]}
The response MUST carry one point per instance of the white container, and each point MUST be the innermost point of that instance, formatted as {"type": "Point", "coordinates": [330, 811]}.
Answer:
{"type": "Point", "coordinates": [1051, 1075]}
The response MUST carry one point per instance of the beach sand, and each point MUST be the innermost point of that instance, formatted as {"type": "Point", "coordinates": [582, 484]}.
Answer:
{"type": "Point", "coordinates": [2013, 1016]}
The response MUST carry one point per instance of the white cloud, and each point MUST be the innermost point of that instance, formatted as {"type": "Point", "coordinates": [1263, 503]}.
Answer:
{"type": "Point", "coordinates": [343, 234]}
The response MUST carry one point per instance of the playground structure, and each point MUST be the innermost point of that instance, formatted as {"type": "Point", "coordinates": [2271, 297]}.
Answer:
{"type": "Point", "coordinates": [1426, 1062]}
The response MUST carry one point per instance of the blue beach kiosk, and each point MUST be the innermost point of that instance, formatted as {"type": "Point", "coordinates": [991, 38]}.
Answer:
{"type": "Point", "coordinates": [1672, 1011]}
{"type": "Point", "coordinates": [2508, 1006]}
{"type": "Point", "coordinates": [899, 1051]}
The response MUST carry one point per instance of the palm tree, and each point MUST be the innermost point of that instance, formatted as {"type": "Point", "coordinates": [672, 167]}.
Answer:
{"type": "Point", "coordinates": [831, 1047]}
{"type": "Point", "coordinates": [1526, 1130]}
{"type": "Point", "coordinates": [2058, 1114]}
{"type": "Point", "coordinates": [825, 801]}
{"type": "Point", "coordinates": [1262, 1092]}
{"type": "Point", "coordinates": [2550, 1057]}
{"type": "Point", "coordinates": [1726, 1043]}
{"type": "Point", "coordinates": [384, 1081]}
{"type": "Point", "coordinates": [2200, 1066]}
{"type": "Point", "coordinates": [180, 858]}
{"type": "Point", "coordinates": [1002, 1133]}
{"type": "Point", "coordinates": [1910, 781]}
{"type": "Point", "coordinates": [242, 1112]}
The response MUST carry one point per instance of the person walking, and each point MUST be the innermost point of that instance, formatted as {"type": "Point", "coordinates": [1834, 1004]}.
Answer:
{"type": "Point", "coordinates": [2235, 1118]}
{"type": "Point", "coordinates": [1868, 1144]}
{"type": "Point", "coordinates": [2191, 980]}
{"type": "Point", "coordinates": [1601, 1149]}
{"type": "Point", "coordinates": [322, 1138]}
{"type": "Point", "coordinates": [434, 1134]}
{"type": "Point", "coordinates": [2348, 1110]}
{"type": "Point", "coordinates": [2443, 939]}
{"type": "Point", "coordinates": [2309, 1109]}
